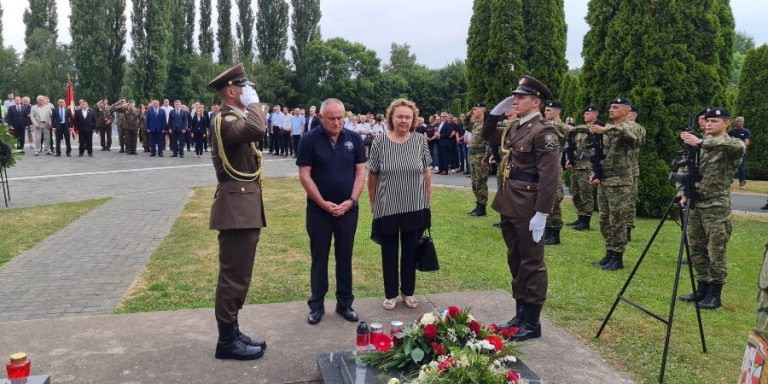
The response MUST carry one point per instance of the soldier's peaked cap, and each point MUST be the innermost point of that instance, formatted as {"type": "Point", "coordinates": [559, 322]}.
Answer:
{"type": "Point", "coordinates": [720, 113]}
{"type": "Point", "coordinates": [621, 100]}
{"type": "Point", "coordinates": [555, 104]}
{"type": "Point", "coordinates": [530, 86]}
{"type": "Point", "coordinates": [233, 76]}
{"type": "Point", "coordinates": [703, 111]}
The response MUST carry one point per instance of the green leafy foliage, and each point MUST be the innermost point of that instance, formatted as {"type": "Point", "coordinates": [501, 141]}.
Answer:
{"type": "Point", "coordinates": [272, 30]}
{"type": "Point", "coordinates": [41, 14]}
{"type": "Point", "coordinates": [224, 32]}
{"type": "Point", "coordinates": [44, 69]}
{"type": "Point", "coordinates": [205, 37]}
{"type": "Point", "coordinates": [752, 103]}
{"type": "Point", "coordinates": [245, 23]}
{"type": "Point", "coordinates": [477, 50]}
{"type": "Point", "coordinates": [545, 35]}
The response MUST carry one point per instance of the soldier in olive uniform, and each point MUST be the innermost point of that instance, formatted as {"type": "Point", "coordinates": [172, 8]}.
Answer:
{"type": "Point", "coordinates": [614, 191]}
{"type": "Point", "coordinates": [531, 171]}
{"type": "Point", "coordinates": [120, 123]}
{"type": "Point", "coordinates": [555, 219]}
{"type": "Point", "coordinates": [479, 154]}
{"type": "Point", "coordinates": [635, 154]}
{"type": "Point", "coordinates": [762, 299]}
{"type": "Point", "coordinates": [133, 120]}
{"type": "Point", "coordinates": [582, 190]}
{"type": "Point", "coordinates": [237, 211]}
{"type": "Point", "coordinates": [709, 222]}
{"type": "Point", "coordinates": [104, 124]}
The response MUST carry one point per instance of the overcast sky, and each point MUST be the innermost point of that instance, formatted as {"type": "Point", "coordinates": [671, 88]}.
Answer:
{"type": "Point", "coordinates": [436, 30]}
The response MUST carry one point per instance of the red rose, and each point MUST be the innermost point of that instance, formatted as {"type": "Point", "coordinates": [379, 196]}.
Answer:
{"type": "Point", "coordinates": [493, 328]}
{"type": "Point", "coordinates": [507, 333]}
{"type": "Point", "coordinates": [475, 327]}
{"type": "Point", "coordinates": [513, 376]}
{"type": "Point", "coordinates": [496, 341]}
{"type": "Point", "coordinates": [453, 311]}
{"type": "Point", "coordinates": [438, 349]}
{"type": "Point", "coordinates": [430, 331]}
{"type": "Point", "coordinates": [445, 364]}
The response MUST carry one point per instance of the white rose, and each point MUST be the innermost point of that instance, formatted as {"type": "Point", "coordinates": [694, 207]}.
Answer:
{"type": "Point", "coordinates": [427, 319]}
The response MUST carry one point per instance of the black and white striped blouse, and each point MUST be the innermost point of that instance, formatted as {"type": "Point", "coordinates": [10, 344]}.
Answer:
{"type": "Point", "coordinates": [400, 169]}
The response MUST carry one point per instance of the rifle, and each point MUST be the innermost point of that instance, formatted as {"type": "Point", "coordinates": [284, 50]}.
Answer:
{"type": "Point", "coordinates": [692, 162]}
{"type": "Point", "coordinates": [597, 158]}
{"type": "Point", "coordinates": [569, 150]}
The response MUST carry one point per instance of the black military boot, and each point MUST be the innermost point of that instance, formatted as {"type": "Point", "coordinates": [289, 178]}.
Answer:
{"type": "Point", "coordinates": [554, 237]}
{"type": "Point", "coordinates": [122, 149]}
{"type": "Point", "coordinates": [480, 211]}
{"type": "Point", "coordinates": [583, 223]}
{"type": "Point", "coordinates": [230, 346]}
{"type": "Point", "coordinates": [712, 299]}
{"type": "Point", "coordinates": [701, 290]}
{"type": "Point", "coordinates": [765, 206]}
{"type": "Point", "coordinates": [604, 260]}
{"type": "Point", "coordinates": [616, 262]}
{"type": "Point", "coordinates": [629, 233]}
{"type": "Point", "coordinates": [472, 212]}
{"type": "Point", "coordinates": [572, 223]}
{"type": "Point", "coordinates": [247, 340]}
{"type": "Point", "coordinates": [530, 327]}
{"type": "Point", "coordinates": [519, 313]}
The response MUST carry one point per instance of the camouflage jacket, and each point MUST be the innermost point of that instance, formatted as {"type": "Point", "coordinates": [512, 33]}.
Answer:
{"type": "Point", "coordinates": [478, 144]}
{"type": "Point", "coordinates": [635, 153]}
{"type": "Point", "coordinates": [584, 151]}
{"type": "Point", "coordinates": [719, 159]}
{"type": "Point", "coordinates": [619, 141]}
{"type": "Point", "coordinates": [133, 119]}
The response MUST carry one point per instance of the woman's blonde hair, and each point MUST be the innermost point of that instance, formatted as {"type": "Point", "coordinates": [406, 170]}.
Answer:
{"type": "Point", "coordinates": [402, 103]}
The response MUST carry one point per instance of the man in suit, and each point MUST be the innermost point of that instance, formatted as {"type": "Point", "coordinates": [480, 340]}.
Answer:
{"type": "Point", "coordinates": [211, 117]}
{"type": "Point", "coordinates": [445, 129]}
{"type": "Point", "coordinates": [312, 120]}
{"type": "Point", "coordinates": [177, 128]}
{"type": "Point", "coordinates": [62, 121]}
{"type": "Point", "coordinates": [238, 210]}
{"type": "Point", "coordinates": [155, 123]}
{"type": "Point", "coordinates": [17, 119]}
{"type": "Point", "coordinates": [40, 114]}
{"type": "Point", "coordinates": [85, 122]}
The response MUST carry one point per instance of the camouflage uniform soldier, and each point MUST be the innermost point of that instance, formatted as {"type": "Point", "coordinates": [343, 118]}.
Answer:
{"type": "Point", "coordinates": [615, 190]}
{"type": "Point", "coordinates": [119, 122]}
{"type": "Point", "coordinates": [762, 299]}
{"type": "Point", "coordinates": [479, 154]}
{"type": "Point", "coordinates": [555, 218]}
{"type": "Point", "coordinates": [133, 120]}
{"type": "Point", "coordinates": [104, 124]}
{"type": "Point", "coordinates": [582, 191]}
{"type": "Point", "coordinates": [709, 222]}
{"type": "Point", "coordinates": [635, 154]}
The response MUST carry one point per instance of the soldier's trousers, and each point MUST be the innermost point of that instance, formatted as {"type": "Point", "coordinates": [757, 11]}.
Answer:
{"type": "Point", "coordinates": [130, 140]}
{"type": "Point", "coordinates": [555, 218]}
{"type": "Point", "coordinates": [633, 200]}
{"type": "Point", "coordinates": [582, 192]}
{"type": "Point", "coordinates": [479, 173]}
{"type": "Point", "coordinates": [144, 137]}
{"type": "Point", "coordinates": [105, 137]}
{"type": "Point", "coordinates": [237, 250]}
{"type": "Point", "coordinates": [613, 203]}
{"type": "Point", "coordinates": [525, 259]}
{"type": "Point", "coordinates": [709, 230]}
{"type": "Point", "coordinates": [121, 136]}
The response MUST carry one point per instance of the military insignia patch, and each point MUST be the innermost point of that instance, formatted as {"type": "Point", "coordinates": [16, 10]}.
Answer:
{"type": "Point", "coordinates": [230, 118]}
{"type": "Point", "coordinates": [550, 142]}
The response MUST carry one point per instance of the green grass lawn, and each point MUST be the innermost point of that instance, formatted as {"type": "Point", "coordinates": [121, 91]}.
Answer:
{"type": "Point", "coordinates": [182, 274]}
{"type": "Point", "coordinates": [23, 228]}
{"type": "Point", "coordinates": [753, 186]}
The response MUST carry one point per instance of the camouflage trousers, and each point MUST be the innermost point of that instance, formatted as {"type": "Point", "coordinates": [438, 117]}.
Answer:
{"type": "Point", "coordinates": [555, 218]}
{"type": "Point", "coordinates": [709, 230]}
{"type": "Point", "coordinates": [479, 177]}
{"type": "Point", "coordinates": [121, 135]}
{"type": "Point", "coordinates": [582, 192]}
{"type": "Point", "coordinates": [633, 200]}
{"type": "Point", "coordinates": [762, 299]}
{"type": "Point", "coordinates": [614, 205]}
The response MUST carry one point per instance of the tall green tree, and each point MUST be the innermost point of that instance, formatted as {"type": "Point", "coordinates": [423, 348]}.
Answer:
{"type": "Point", "coordinates": [1, 26]}
{"type": "Point", "coordinates": [272, 30]}
{"type": "Point", "coordinates": [190, 22]}
{"type": "Point", "coordinates": [752, 103]}
{"type": "Point", "coordinates": [44, 69]}
{"type": "Point", "coordinates": [9, 59]}
{"type": "Point", "coordinates": [153, 34]}
{"type": "Point", "coordinates": [224, 32]}
{"type": "Point", "coordinates": [477, 50]}
{"type": "Point", "coordinates": [205, 37]}
{"type": "Point", "coordinates": [305, 27]}
{"type": "Point", "coordinates": [179, 65]}
{"type": "Point", "coordinates": [545, 39]}
{"type": "Point", "coordinates": [41, 14]}
{"type": "Point", "coordinates": [116, 59]}
{"type": "Point", "coordinates": [245, 23]}
{"type": "Point", "coordinates": [504, 60]}
{"type": "Point", "coordinates": [137, 76]}
{"type": "Point", "coordinates": [90, 47]}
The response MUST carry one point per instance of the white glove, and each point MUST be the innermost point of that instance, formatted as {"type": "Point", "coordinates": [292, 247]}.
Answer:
{"type": "Point", "coordinates": [503, 107]}
{"type": "Point", "coordinates": [249, 96]}
{"type": "Point", "coordinates": [537, 224]}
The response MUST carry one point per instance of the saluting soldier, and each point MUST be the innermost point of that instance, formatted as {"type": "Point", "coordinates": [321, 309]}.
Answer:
{"type": "Point", "coordinates": [635, 155]}
{"type": "Point", "coordinates": [120, 123]}
{"type": "Point", "coordinates": [555, 219]}
{"type": "Point", "coordinates": [133, 120]}
{"type": "Point", "coordinates": [104, 124]}
{"type": "Point", "coordinates": [582, 191]}
{"type": "Point", "coordinates": [238, 210]}
{"type": "Point", "coordinates": [479, 154]}
{"type": "Point", "coordinates": [531, 168]}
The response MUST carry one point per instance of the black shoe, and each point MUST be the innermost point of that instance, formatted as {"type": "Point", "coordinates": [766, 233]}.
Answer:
{"type": "Point", "coordinates": [122, 150]}
{"type": "Point", "coordinates": [80, 155]}
{"type": "Point", "coordinates": [765, 207]}
{"type": "Point", "coordinates": [702, 288]}
{"type": "Point", "coordinates": [161, 155]}
{"type": "Point", "coordinates": [109, 149]}
{"type": "Point", "coordinates": [57, 155]}
{"type": "Point", "coordinates": [68, 155]}
{"type": "Point", "coordinates": [472, 212]}
{"type": "Point", "coordinates": [712, 299]}
{"type": "Point", "coordinates": [572, 223]}
{"type": "Point", "coordinates": [497, 225]}
{"type": "Point", "coordinates": [554, 237]}
{"type": "Point", "coordinates": [530, 327]}
{"type": "Point", "coordinates": [174, 155]}
{"type": "Point", "coordinates": [616, 262]}
{"type": "Point", "coordinates": [629, 233]}
{"type": "Point", "coordinates": [248, 341]}
{"type": "Point", "coordinates": [152, 155]}
{"type": "Point", "coordinates": [480, 211]}
{"type": "Point", "coordinates": [90, 155]}
{"type": "Point", "coordinates": [181, 156]}
{"type": "Point", "coordinates": [583, 223]}
{"type": "Point", "coordinates": [604, 260]}
{"type": "Point", "coordinates": [236, 349]}
{"type": "Point", "coordinates": [519, 313]}
{"type": "Point", "coordinates": [348, 313]}
{"type": "Point", "coordinates": [315, 316]}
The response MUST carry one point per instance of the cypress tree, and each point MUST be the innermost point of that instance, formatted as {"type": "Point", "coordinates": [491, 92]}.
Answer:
{"type": "Point", "coordinates": [151, 55]}
{"type": "Point", "coordinates": [752, 103]}
{"type": "Point", "coordinates": [545, 38]}
{"type": "Point", "coordinates": [245, 23]}
{"type": "Point", "coordinates": [272, 30]}
{"type": "Point", "coordinates": [1, 26]}
{"type": "Point", "coordinates": [41, 14]}
{"type": "Point", "coordinates": [90, 47]}
{"type": "Point", "coordinates": [504, 59]}
{"type": "Point", "coordinates": [138, 75]}
{"type": "Point", "coordinates": [205, 38]}
{"type": "Point", "coordinates": [189, 32]}
{"type": "Point", "coordinates": [477, 50]}
{"type": "Point", "coordinates": [116, 58]}
{"type": "Point", "coordinates": [178, 68]}
{"type": "Point", "coordinates": [224, 32]}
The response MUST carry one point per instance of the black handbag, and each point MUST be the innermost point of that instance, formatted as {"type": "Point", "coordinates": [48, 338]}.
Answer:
{"type": "Point", "coordinates": [426, 256]}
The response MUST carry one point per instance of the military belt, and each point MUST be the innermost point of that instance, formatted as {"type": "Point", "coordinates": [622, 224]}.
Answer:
{"type": "Point", "coordinates": [524, 176]}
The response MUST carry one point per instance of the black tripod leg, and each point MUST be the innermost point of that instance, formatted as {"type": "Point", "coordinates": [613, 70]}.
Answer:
{"type": "Point", "coordinates": [696, 303]}
{"type": "Point", "coordinates": [634, 270]}
{"type": "Point", "coordinates": [3, 183]}
{"type": "Point", "coordinates": [7, 184]}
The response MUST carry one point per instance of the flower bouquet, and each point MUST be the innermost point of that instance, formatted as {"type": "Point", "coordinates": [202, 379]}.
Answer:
{"type": "Point", "coordinates": [448, 346]}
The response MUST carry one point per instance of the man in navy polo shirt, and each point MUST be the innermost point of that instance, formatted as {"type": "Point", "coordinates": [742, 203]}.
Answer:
{"type": "Point", "coordinates": [331, 164]}
{"type": "Point", "coordinates": [744, 135]}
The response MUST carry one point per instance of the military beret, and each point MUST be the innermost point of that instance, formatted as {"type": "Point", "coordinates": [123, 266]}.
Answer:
{"type": "Point", "coordinates": [718, 112]}
{"type": "Point", "coordinates": [555, 104]}
{"type": "Point", "coordinates": [633, 108]}
{"type": "Point", "coordinates": [592, 108]}
{"type": "Point", "coordinates": [703, 111]}
{"type": "Point", "coordinates": [479, 105]}
{"type": "Point", "coordinates": [621, 100]}
{"type": "Point", "coordinates": [233, 76]}
{"type": "Point", "coordinates": [530, 86]}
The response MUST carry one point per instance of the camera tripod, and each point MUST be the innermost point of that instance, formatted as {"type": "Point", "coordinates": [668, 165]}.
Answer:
{"type": "Point", "coordinates": [671, 317]}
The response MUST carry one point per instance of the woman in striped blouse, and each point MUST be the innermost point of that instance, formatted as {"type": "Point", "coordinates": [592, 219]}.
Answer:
{"type": "Point", "coordinates": [399, 188]}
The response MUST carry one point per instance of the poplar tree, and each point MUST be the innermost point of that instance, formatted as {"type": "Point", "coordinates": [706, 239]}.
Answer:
{"type": "Point", "coordinates": [272, 30]}
{"type": "Point", "coordinates": [152, 27]}
{"type": "Point", "coordinates": [178, 68]}
{"type": "Point", "coordinates": [205, 37]}
{"type": "Point", "coordinates": [544, 42]}
{"type": "Point", "coordinates": [477, 51]}
{"type": "Point", "coordinates": [305, 26]}
{"type": "Point", "coordinates": [752, 103]}
{"type": "Point", "coordinates": [138, 75]}
{"type": "Point", "coordinates": [224, 32]}
{"type": "Point", "coordinates": [41, 14]}
{"type": "Point", "coordinates": [1, 26]}
{"type": "Point", "coordinates": [115, 57]}
{"type": "Point", "coordinates": [90, 48]}
{"type": "Point", "coordinates": [504, 59]}
{"type": "Point", "coordinates": [245, 23]}
{"type": "Point", "coordinates": [189, 32]}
